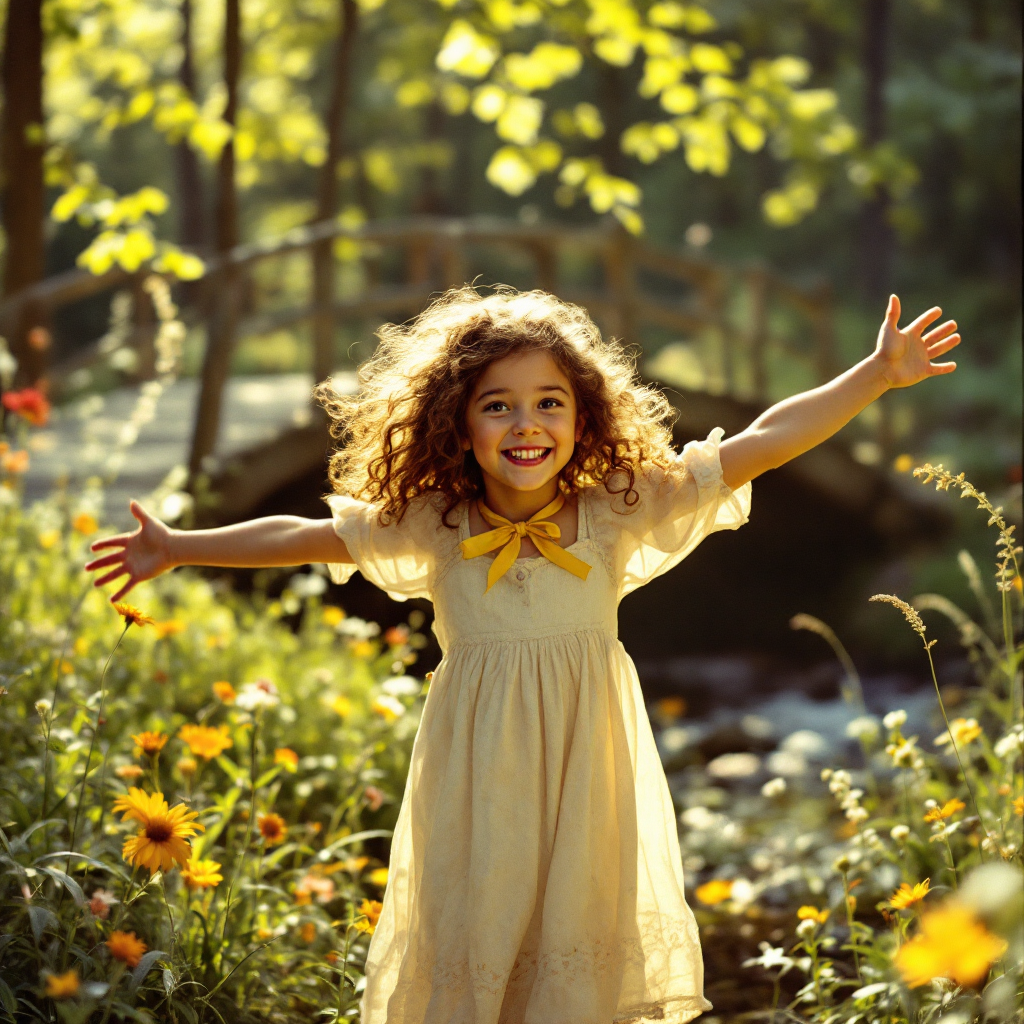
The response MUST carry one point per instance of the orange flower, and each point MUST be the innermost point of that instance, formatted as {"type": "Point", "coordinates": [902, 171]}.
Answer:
{"type": "Point", "coordinates": [84, 523]}
{"type": "Point", "coordinates": [947, 810]}
{"type": "Point", "coordinates": [127, 947]}
{"type": "Point", "coordinates": [809, 913]}
{"type": "Point", "coordinates": [310, 886]}
{"type": "Point", "coordinates": [132, 615]}
{"type": "Point", "coordinates": [1018, 806]}
{"type": "Point", "coordinates": [287, 757]}
{"type": "Point", "coordinates": [62, 986]}
{"type": "Point", "coordinates": [15, 462]}
{"type": "Point", "coordinates": [716, 891]}
{"type": "Point", "coordinates": [308, 932]}
{"type": "Point", "coordinates": [670, 707]}
{"type": "Point", "coordinates": [907, 895]}
{"type": "Point", "coordinates": [169, 627]}
{"type": "Point", "coordinates": [129, 772]}
{"type": "Point", "coordinates": [205, 741]}
{"type": "Point", "coordinates": [150, 742]}
{"type": "Point", "coordinates": [224, 692]}
{"type": "Point", "coordinates": [369, 915]}
{"type": "Point", "coordinates": [952, 944]}
{"type": "Point", "coordinates": [201, 874]}
{"type": "Point", "coordinates": [29, 403]}
{"type": "Point", "coordinates": [396, 636]}
{"type": "Point", "coordinates": [272, 828]}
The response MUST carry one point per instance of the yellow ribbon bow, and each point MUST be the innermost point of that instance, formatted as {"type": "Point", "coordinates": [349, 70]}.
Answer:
{"type": "Point", "coordinates": [509, 537]}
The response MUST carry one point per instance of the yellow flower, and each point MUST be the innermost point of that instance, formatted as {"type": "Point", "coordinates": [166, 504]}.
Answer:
{"type": "Point", "coordinates": [287, 757]}
{"type": "Point", "coordinates": [906, 895]}
{"type": "Point", "coordinates": [126, 946]}
{"type": "Point", "coordinates": [341, 705]}
{"type": "Point", "coordinates": [332, 615]}
{"type": "Point", "coordinates": [62, 986]}
{"type": "Point", "coordinates": [48, 538]}
{"type": "Point", "coordinates": [201, 874]}
{"type": "Point", "coordinates": [947, 810]}
{"type": "Point", "coordinates": [150, 742]}
{"type": "Point", "coordinates": [379, 876]}
{"type": "Point", "coordinates": [356, 864]}
{"type": "Point", "coordinates": [952, 944]}
{"type": "Point", "coordinates": [670, 707]}
{"type": "Point", "coordinates": [1018, 805]}
{"type": "Point", "coordinates": [84, 523]}
{"type": "Point", "coordinates": [205, 741]}
{"type": "Point", "coordinates": [188, 767]}
{"type": "Point", "coordinates": [809, 913]}
{"type": "Point", "coordinates": [168, 628]}
{"type": "Point", "coordinates": [272, 828]}
{"type": "Point", "coordinates": [163, 839]}
{"type": "Point", "coordinates": [129, 772]}
{"type": "Point", "coordinates": [369, 915]}
{"type": "Point", "coordinates": [132, 615]}
{"type": "Point", "coordinates": [224, 692]}
{"type": "Point", "coordinates": [389, 708]}
{"type": "Point", "coordinates": [903, 463]}
{"type": "Point", "coordinates": [716, 891]}
{"type": "Point", "coordinates": [81, 646]}
{"type": "Point", "coordinates": [962, 731]}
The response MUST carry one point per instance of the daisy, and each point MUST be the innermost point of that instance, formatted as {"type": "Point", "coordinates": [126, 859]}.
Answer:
{"type": "Point", "coordinates": [163, 839]}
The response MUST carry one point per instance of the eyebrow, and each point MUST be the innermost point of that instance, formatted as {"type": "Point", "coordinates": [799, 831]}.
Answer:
{"type": "Point", "coordinates": [505, 391]}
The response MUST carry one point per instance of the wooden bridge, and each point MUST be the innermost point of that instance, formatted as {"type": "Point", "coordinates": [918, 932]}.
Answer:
{"type": "Point", "coordinates": [728, 340]}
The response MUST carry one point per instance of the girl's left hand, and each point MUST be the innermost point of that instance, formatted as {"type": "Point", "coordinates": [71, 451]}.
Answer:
{"type": "Point", "coordinates": [906, 355]}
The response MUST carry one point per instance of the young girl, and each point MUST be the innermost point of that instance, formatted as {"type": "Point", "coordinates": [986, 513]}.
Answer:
{"type": "Point", "coordinates": [503, 461]}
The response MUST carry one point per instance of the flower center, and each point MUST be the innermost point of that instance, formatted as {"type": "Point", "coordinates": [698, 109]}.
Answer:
{"type": "Point", "coordinates": [158, 831]}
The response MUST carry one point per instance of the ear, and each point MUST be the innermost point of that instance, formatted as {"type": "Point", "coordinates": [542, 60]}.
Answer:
{"type": "Point", "coordinates": [466, 444]}
{"type": "Point", "coordinates": [581, 423]}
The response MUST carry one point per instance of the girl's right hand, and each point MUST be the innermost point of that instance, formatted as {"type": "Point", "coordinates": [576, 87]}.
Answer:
{"type": "Point", "coordinates": [143, 555]}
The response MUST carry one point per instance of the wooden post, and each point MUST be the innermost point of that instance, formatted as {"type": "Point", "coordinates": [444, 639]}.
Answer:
{"type": "Point", "coordinates": [620, 280]}
{"type": "Point", "coordinates": [757, 281]}
{"type": "Point", "coordinates": [143, 330]}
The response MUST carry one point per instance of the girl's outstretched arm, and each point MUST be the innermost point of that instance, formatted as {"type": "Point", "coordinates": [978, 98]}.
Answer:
{"type": "Point", "coordinates": [795, 425]}
{"type": "Point", "coordinates": [273, 540]}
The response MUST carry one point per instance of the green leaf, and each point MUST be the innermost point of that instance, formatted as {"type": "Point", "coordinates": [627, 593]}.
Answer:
{"type": "Point", "coordinates": [143, 968]}
{"type": "Point", "coordinates": [68, 882]}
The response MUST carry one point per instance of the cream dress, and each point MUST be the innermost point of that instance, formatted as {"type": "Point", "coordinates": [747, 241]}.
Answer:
{"type": "Point", "coordinates": [535, 872]}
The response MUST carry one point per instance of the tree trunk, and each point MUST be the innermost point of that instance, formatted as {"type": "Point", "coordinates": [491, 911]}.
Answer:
{"type": "Point", "coordinates": [21, 155]}
{"type": "Point", "coordinates": [327, 190]}
{"type": "Point", "coordinates": [876, 233]}
{"type": "Point", "coordinates": [192, 216]}
{"type": "Point", "coordinates": [221, 332]}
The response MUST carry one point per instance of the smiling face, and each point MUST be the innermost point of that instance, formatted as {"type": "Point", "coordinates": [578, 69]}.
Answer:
{"type": "Point", "coordinates": [522, 425]}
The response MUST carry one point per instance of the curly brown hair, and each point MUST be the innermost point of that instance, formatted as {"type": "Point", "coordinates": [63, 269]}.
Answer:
{"type": "Point", "coordinates": [401, 434]}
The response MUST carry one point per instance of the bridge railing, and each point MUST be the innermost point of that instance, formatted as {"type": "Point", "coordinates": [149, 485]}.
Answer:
{"type": "Point", "coordinates": [635, 290]}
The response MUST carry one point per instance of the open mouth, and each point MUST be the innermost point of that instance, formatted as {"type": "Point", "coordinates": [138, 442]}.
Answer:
{"type": "Point", "coordinates": [526, 456]}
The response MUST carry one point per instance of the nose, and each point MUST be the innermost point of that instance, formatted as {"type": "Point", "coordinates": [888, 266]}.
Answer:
{"type": "Point", "coordinates": [525, 427]}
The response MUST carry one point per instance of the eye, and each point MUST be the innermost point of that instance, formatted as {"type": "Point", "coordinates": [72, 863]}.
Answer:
{"type": "Point", "coordinates": [556, 403]}
{"type": "Point", "coordinates": [493, 406]}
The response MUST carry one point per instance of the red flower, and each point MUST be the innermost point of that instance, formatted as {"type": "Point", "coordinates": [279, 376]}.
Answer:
{"type": "Point", "coordinates": [30, 403]}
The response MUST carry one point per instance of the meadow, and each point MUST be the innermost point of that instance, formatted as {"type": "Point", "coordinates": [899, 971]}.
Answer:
{"type": "Point", "coordinates": [197, 795]}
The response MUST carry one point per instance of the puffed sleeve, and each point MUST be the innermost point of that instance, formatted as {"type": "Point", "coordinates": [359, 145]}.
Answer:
{"type": "Point", "coordinates": [398, 557]}
{"type": "Point", "coordinates": [678, 507]}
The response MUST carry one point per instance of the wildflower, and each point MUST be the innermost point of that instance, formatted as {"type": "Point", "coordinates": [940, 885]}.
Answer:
{"type": "Point", "coordinates": [396, 636]}
{"type": "Point", "coordinates": [30, 404]}
{"type": "Point", "coordinates": [900, 833]}
{"type": "Point", "coordinates": [163, 840]}
{"type": "Point", "coordinates": [84, 523]}
{"type": "Point", "coordinates": [127, 947]}
{"type": "Point", "coordinates": [716, 891]}
{"type": "Point", "coordinates": [150, 742]}
{"type": "Point", "coordinates": [374, 797]}
{"type": "Point", "coordinates": [132, 616]}
{"type": "Point", "coordinates": [224, 692]}
{"type": "Point", "coordinates": [773, 788]}
{"type": "Point", "coordinates": [62, 986]}
{"type": "Point", "coordinates": [308, 932]}
{"type": "Point", "coordinates": [905, 754]}
{"type": "Point", "coordinates": [100, 903]}
{"type": "Point", "coordinates": [206, 741]}
{"type": "Point", "coordinates": [910, 613]}
{"type": "Point", "coordinates": [356, 864]}
{"type": "Point", "coordinates": [361, 648]}
{"type": "Point", "coordinates": [312, 886]}
{"type": "Point", "coordinates": [895, 720]}
{"type": "Point", "coordinates": [272, 828]}
{"type": "Point", "coordinates": [287, 758]}
{"type": "Point", "coordinates": [332, 615]}
{"type": "Point", "coordinates": [48, 538]}
{"type": "Point", "coordinates": [809, 913]}
{"type": "Point", "coordinates": [341, 705]}
{"type": "Point", "coordinates": [201, 874]}
{"type": "Point", "coordinates": [1011, 744]}
{"type": "Point", "coordinates": [863, 728]}
{"type": "Point", "coordinates": [805, 929]}
{"type": "Point", "coordinates": [907, 895]}
{"type": "Point", "coordinates": [841, 864]}
{"type": "Point", "coordinates": [369, 915]}
{"type": "Point", "coordinates": [947, 810]}
{"type": "Point", "coordinates": [169, 627]}
{"type": "Point", "coordinates": [188, 767]}
{"type": "Point", "coordinates": [379, 876]}
{"type": "Point", "coordinates": [129, 772]}
{"type": "Point", "coordinates": [961, 732]}
{"type": "Point", "coordinates": [771, 957]}
{"type": "Point", "coordinates": [903, 463]}
{"type": "Point", "coordinates": [670, 708]}
{"type": "Point", "coordinates": [259, 694]}
{"type": "Point", "coordinates": [952, 944]}
{"type": "Point", "coordinates": [389, 708]}
{"type": "Point", "coordinates": [43, 708]}
{"type": "Point", "coordinates": [15, 462]}
{"type": "Point", "coordinates": [1018, 806]}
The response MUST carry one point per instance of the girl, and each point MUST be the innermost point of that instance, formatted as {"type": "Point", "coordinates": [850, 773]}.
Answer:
{"type": "Point", "coordinates": [503, 461]}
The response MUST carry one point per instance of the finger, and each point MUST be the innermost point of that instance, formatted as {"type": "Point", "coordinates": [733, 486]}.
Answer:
{"type": "Point", "coordinates": [940, 348]}
{"type": "Point", "coordinates": [892, 312]}
{"type": "Point", "coordinates": [124, 590]}
{"type": "Point", "coordinates": [138, 511]}
{"type": "Point", "coordinates": [109, 542]}
{"type": "Point", "coordinates": [112, 575]}
{"type": "Point", "coordinates": [99, 563]}
{"type": "Point", "coordinates": [929, 316]}
{"type": "Point", "coordinates": [935, 369]}
{"type": "Point", "coordinates": [938, 333]}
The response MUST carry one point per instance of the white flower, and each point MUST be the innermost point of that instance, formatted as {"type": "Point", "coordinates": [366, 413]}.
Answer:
{"type": "Point", "coordinates": [307, 585]}
{"type": "Point", "coordinates": [900, 833]}
{"type": "Point", "coordinates": [786, 762]}
{"type": "Point", "coordinates": [807, 743]}
{"type": "Point", "coordinates": [805, 929]}
{"type": "Point", "coordinates": [770, 957]}
{"type": "Point", "coordinates": [701, 818]}
{"type": "Point", "coordinates": [857, 814]}
{"type": "Point", "coordinates": [773, 788]}
{"type": "Point", "coordinates": [402, 686]}
{"type": "Point", "coordinates": [358, 629]}
{"type": "Point", "coordinates": [259, 694]}
{"type": "Point", "coordinates": [1010, 745]}
{"type": "Point", "coordinates": [863, 728]}
{"type": "Point", "coordinates": [895, 719]}
{"type": "Point", "coordinates": [734, 766]}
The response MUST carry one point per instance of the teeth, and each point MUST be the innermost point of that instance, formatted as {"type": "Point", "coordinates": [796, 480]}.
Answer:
{"type": "Point", "coordinates": [526, 453]}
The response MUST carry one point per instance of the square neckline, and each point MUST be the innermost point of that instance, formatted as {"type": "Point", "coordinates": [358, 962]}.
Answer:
{"type": "Point", "coordinates": [582, 527]}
